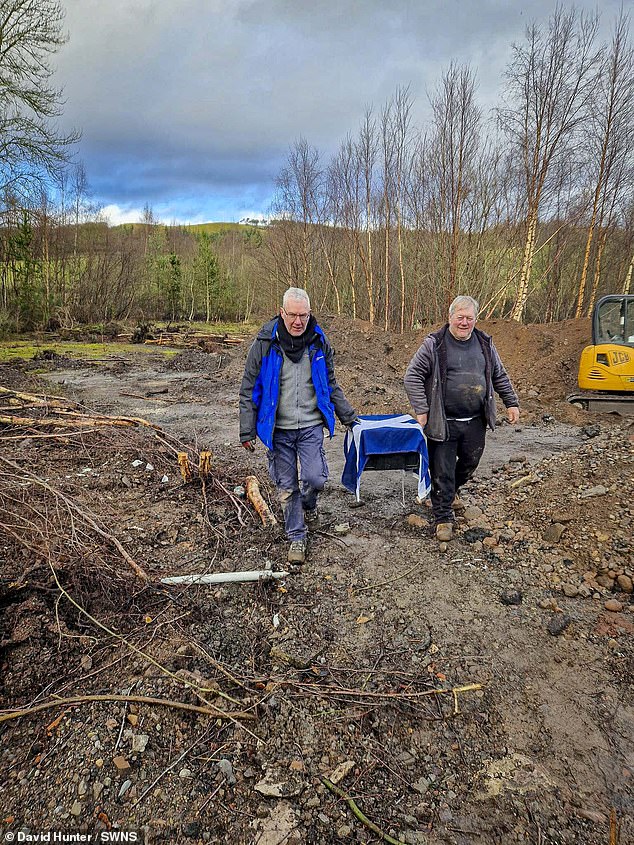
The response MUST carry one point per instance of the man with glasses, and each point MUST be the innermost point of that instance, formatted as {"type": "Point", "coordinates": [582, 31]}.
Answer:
{"type": "Point", "coordinates": [288, 393]}
{"type": "Point", "coordinates": [450, 383]}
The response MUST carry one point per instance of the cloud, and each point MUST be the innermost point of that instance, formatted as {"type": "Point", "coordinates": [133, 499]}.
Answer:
{"type": "Point", "coordinates": [195, 102]}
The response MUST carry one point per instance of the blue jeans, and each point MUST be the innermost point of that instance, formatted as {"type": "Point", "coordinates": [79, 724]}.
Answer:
{"type": "Point", "coordinates": [305, 445]}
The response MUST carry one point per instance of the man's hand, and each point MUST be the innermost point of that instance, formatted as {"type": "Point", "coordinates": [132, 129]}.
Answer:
{"type": "Point", "coordinates": [513, 415]}
{"type": "Point", "coordinates": [249, 445]}
{"type": "Point", "coordinates": [421, 419]}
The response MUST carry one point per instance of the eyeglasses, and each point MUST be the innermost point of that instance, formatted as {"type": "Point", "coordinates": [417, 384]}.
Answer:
{"type": "Point", "coordinates": [461, 319]}
{"type": "Point", "coordinates": [292, 317]}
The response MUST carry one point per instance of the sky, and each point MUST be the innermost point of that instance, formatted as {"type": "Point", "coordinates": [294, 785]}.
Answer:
{"type": "Point", "coordinates": [191, 106]}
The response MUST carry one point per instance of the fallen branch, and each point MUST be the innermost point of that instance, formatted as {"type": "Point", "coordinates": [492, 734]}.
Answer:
{"type": "Point", "coordinates": [34, 422]}
{"type": "Point", "coordinates": [38, 399]}
{"type": "Point", "coordinates": [252, 489]}
{"type": "Point", "coordinates": [361, 816]}
{"type": "Point", "coordinates": [396, 696]}
{"type": "Point", "coordinates": [210, 710]}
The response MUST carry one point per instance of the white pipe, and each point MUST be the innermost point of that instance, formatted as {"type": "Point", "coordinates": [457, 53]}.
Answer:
{"type": "Point", "coordinates": [224, 577]}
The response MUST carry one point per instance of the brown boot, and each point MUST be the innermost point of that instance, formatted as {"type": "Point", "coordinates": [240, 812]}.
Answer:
{"type": "Point", "coordinates": [458, 504]}
{"type": "Point", "coordinates": [444, 531]}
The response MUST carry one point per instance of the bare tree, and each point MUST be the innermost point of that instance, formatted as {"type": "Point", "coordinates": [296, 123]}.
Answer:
{"type": "Point", "coordinates": [367, 148]}
{"type": "Point", "coordinates": [550, 80]}
{"type": "Point", "coordinates": [610, 141]}
{"type": "Point", "coordinates": [456, 122]}
{"type": "Point", "coordinates": [30, 146]}
{"type": "Point", "coordinates": [344, 180]}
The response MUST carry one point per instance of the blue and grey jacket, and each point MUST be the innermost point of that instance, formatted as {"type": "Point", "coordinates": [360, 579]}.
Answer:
{"type": "Point", "coordinates": [260, 388]}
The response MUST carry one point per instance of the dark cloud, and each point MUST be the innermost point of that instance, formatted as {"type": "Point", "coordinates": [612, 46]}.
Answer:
{"type": "Point", "coordinates": [201, 98]}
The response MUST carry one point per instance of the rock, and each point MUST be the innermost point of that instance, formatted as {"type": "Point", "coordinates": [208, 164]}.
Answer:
{"type": "Point", "coordinates": [421, 785]}
{"type": "Point", "coordinates": [613, 606]}
{"type": "Point", "coordinates": [569, 590]}
{"type": "Point", "coordinates": [472, 512]}
{"type": "Point", "coordinates": [561, 516]}
{"type": "Point", "coordinates": [139, 742]}
{"type": "Point", "coordinates": [82, 787]}
{"type": "Point", "coordinates": [133, 719]}
{"type": "Point", "coordinates": [589, 492]}
{"type": "Point", "coordinates": [553, 532]}
{"type": "Point", "coordinates": [282, 789]}
{"type": "Point", "coordinates": [416, 521]}
{"type": "Point", "coordinates": [278, 825]}
{"type": "Point", "coordinates": [226, 768]}
{"type": "Point", "coordinates": [341, 771]}
{"type": "Point", "coordinates": [86, 663]}
{"type": "Point", "coordinates": [344, 831]}
{"type": "Point", "coordinates": [122, 765]}
{"type": "Point", "coordinates": [342, 528]}
{"type": "Point", "coordinates": [75, 810]}
{"type": "Point", "coordinates": [125, 786]}
{"type": "Point", "coordinates": [605, 581]}
{"type": "Point", "coordinates": [557, 624]}
{"type": "Point", "coordinates": [625, 583]}
{"type": "Point", "coordinates": [185, 773]}
{"type": "Point", "coordinates": [591, 430]}
{"type": "Point", "coordinates": [511, 597]}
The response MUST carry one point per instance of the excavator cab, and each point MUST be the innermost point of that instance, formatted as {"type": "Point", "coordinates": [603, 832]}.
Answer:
{"type": "Point", "coordinates": [606, 369]}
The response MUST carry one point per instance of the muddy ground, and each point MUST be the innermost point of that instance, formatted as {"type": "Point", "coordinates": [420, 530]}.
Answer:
{"type": "Point", "coordinates": [342, 670]}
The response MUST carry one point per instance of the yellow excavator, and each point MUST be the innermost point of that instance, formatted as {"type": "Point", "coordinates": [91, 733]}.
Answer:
{"type": "Point", "coordinates": [606, 369]}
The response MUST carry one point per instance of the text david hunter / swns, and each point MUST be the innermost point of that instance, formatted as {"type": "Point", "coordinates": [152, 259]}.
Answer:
{"type": "Point", "coordinates": [61, 836]}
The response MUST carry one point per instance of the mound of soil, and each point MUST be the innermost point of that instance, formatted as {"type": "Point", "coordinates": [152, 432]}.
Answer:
{"type": "Point", "coordinates": [480, 692]}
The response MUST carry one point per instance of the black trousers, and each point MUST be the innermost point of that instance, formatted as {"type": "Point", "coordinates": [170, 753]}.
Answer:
{"type": "Point", "coordinates": [453, 462]}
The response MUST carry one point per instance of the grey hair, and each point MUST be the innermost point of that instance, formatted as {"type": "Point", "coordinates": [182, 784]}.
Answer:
{"type": "Point", "coordinates": [296, 293]}
{"type": "Point", "coordinates": [461, 301]}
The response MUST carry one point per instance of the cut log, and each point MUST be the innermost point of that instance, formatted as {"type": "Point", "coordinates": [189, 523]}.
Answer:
{"type": "Point", "coordinates": [252, 489]}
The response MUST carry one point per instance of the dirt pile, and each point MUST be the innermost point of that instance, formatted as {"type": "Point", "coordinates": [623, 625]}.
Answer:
{"type": "Point", "coordinates": [542, 361]}
{"type": "Point", "coordinates": [477, 694]}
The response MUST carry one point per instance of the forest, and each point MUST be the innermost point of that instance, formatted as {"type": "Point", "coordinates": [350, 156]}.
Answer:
{"type": "Point", "coordinates": [529, 207]}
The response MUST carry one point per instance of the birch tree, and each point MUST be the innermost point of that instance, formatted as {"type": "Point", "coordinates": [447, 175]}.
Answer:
{"type": "Point", "coordinates": [549, 81]}
{"type": "Point", "coordinates": [456, 127]}
{"type": "Point", "coordinates": [610, 142]}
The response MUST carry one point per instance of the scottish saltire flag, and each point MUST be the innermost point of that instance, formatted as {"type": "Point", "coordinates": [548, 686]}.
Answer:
{"type": "Point", "coordinates": [400, 436]}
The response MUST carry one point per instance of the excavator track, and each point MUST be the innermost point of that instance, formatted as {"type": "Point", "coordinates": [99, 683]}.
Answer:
{"type": "Point", "coordinates": [607, 403]}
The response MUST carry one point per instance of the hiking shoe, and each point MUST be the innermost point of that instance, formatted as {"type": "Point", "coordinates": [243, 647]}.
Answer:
{"type": "Point", "coordinates": [311, 518]}
{"type": "Point", "coordinates": [444, 531]}
{"type": "Point", "coordinates": [297, 551]}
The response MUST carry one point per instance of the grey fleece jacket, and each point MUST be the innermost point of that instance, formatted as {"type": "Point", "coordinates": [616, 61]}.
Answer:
{"type": "Point", "coordinates": [426, 374]}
